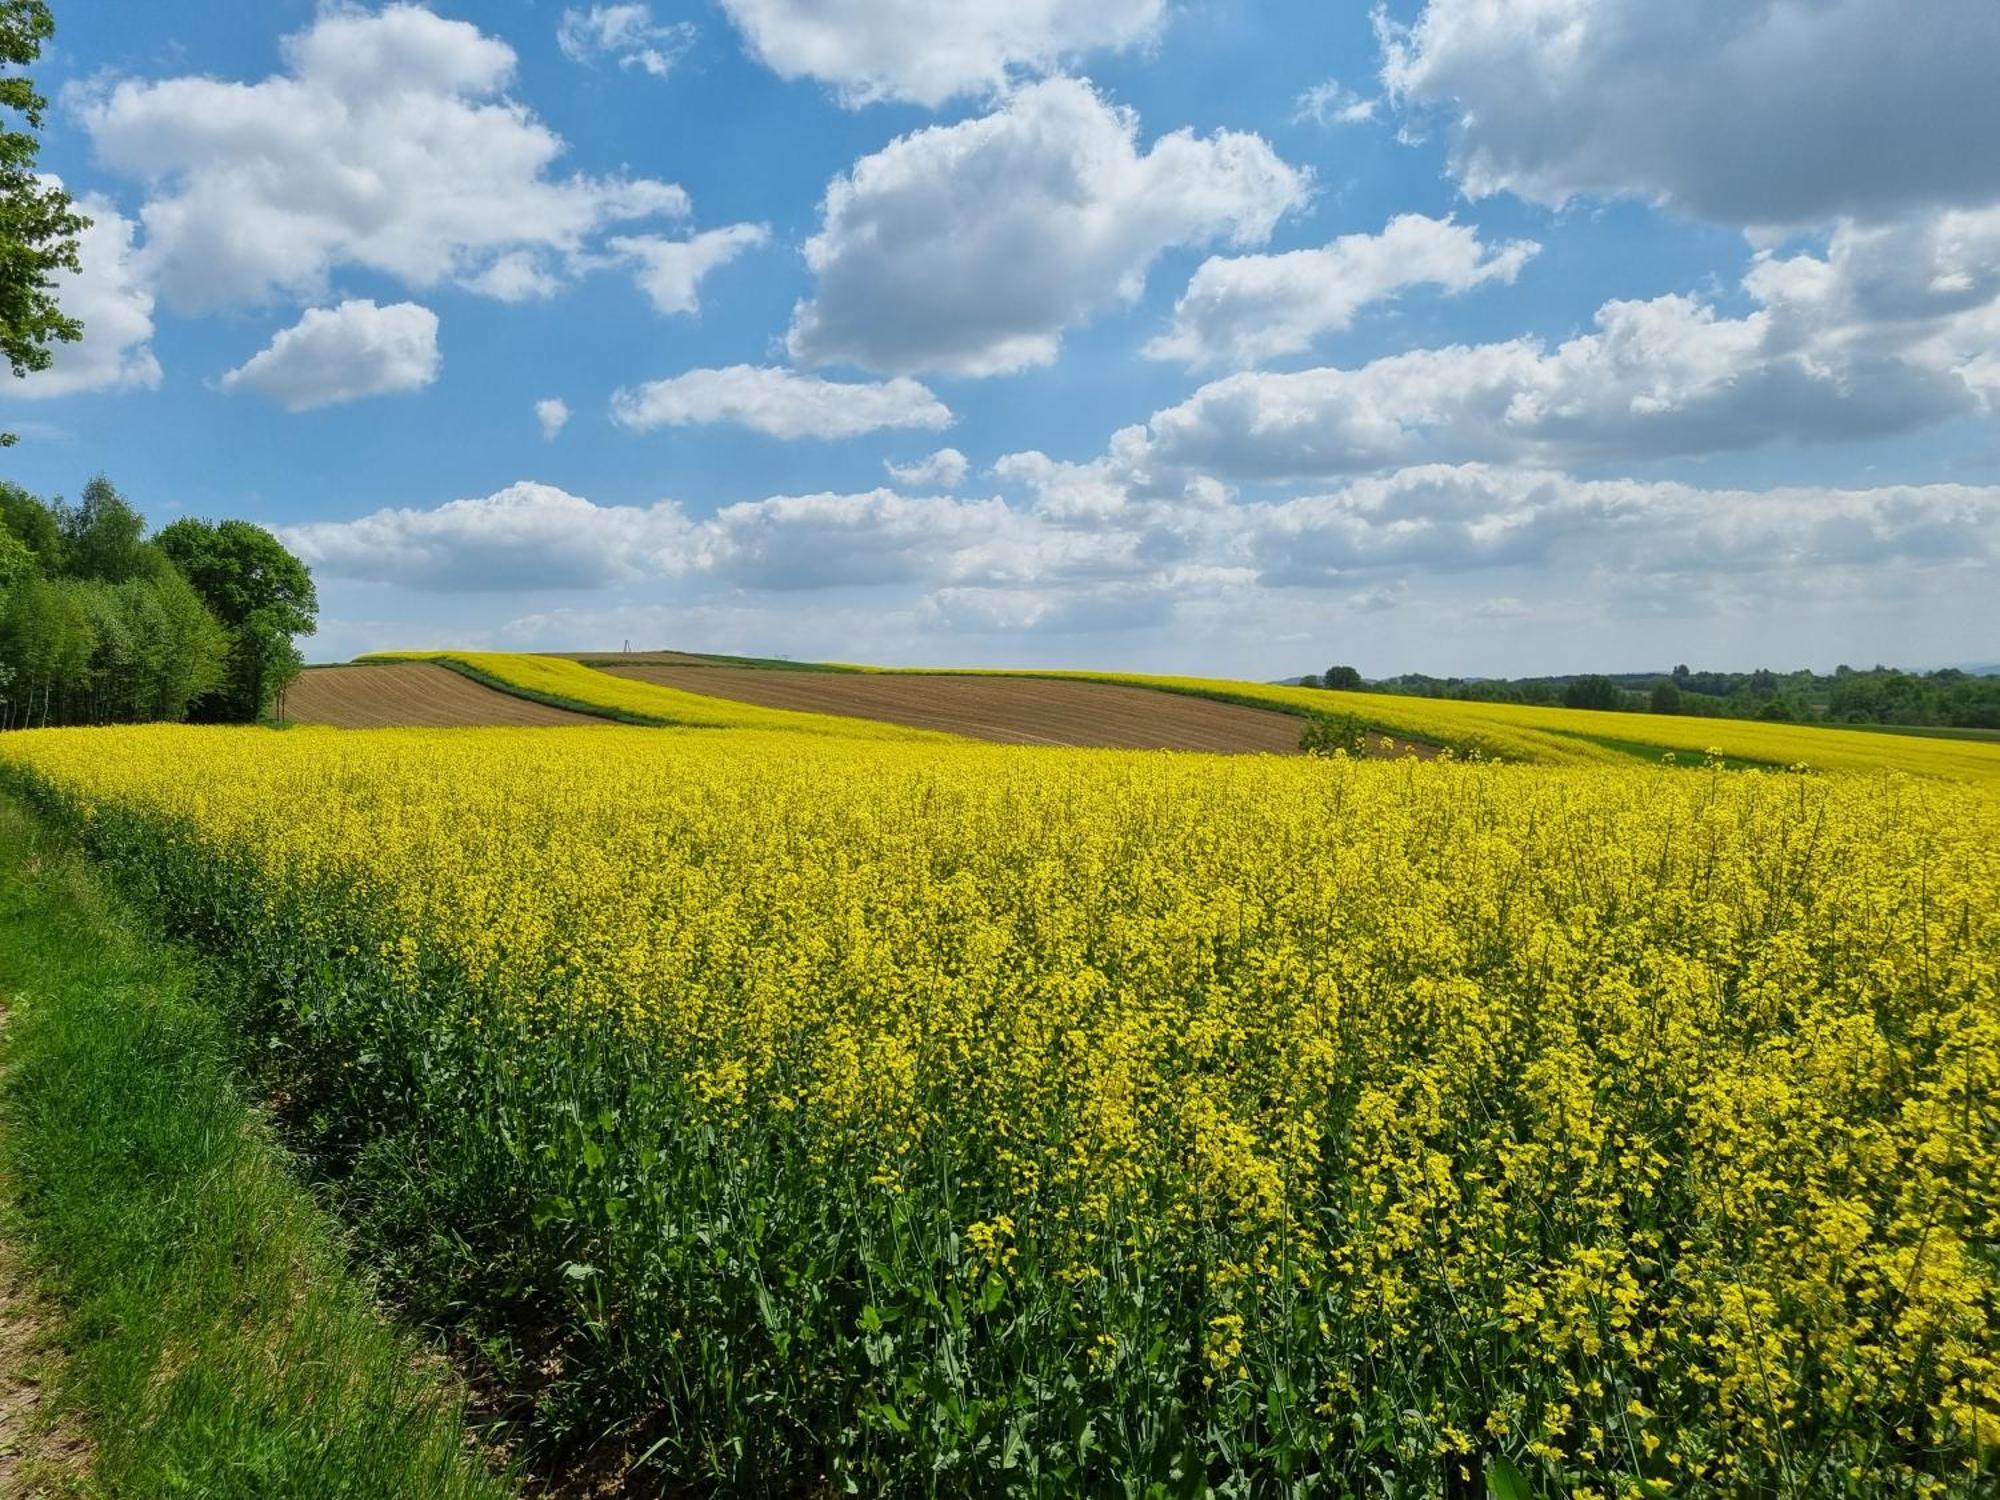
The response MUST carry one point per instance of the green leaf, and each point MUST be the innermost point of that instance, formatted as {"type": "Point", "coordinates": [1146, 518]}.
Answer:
{"type": "Point", "coordinates": [1506, 1482]}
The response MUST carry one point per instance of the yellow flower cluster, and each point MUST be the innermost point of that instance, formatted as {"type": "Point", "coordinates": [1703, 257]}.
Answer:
{"type": "Point", "coordinates": [1641, 1125]}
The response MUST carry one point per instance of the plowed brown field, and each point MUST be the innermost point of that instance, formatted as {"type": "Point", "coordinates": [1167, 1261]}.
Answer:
{"type": "Point", "coordinates": [1009, 710]}
{"type": "Point", "coordinates": [409, 695]}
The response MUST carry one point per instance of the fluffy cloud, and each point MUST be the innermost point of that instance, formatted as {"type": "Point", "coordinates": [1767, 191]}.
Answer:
{"type": "Point", "coordinates": [670, 272]}
{"type": "Point", "coordinates": [1393, 565]}
{"type": "Point", "coordinates": [628, 34]}
{"type": "Point", "coordinates": [1739, 111]}
{"type": "Point", "coordinates": [388, 143]}
{"type": "Point", "coordinates": [782, 403]}
{"type": "Point", "coordinates": [942, 470]}
{"type": "Point", "coordinates": [335, 354]}
{"type": "Point", "coordinates": [527, 536]}
{"type": "Point", "coordinates": [535, 536]}
{"type": "Point", "coordinates": [932, 50]}
{"type": "Point", "coordinates": [551, 415]}
{"type": "Point", "coordinates": [969, 248]}
{"type": "Point", "coordinates": [112, 299]}
{"type": "Point", "coordinates": [856, 541]}
{"type": "Point", "coordinates": [1891, 330]}
{"type": "Point", "coordinates": [1439, 518]}
{"type": "Point", "coordinates": [1243, 310]}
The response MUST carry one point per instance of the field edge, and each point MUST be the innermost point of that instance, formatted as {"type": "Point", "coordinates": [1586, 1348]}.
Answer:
{"type": "Point", "coordinates": [212, 1338]}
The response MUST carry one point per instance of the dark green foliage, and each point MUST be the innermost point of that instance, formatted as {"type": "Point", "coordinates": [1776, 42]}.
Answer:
{"type": "Point", "coordinates": [102, 536]}
{"type": "Point", "coordinates": [16, 561]}
{"type": "Point", "coordinates": [1593, 691]}
{"type": "Point", "coordinates": [241, 570]}
{"type": "Point", "coordinates": [33, 524]}
{"type": "Point", "coordinates": [1949, 698]}
{"type": "Point", "coordinates": [96, 625]}
{"type": "Point", "coordinates": [213, 1343]}
{"type": "Point", "coordinates": [38, 224]}
{"type": "Point", "coordinates": [1330, 734]}
{"type": "Point", "coordinates": [1342, 679]}
{"type": "Point", "coordinates": [262, 595]}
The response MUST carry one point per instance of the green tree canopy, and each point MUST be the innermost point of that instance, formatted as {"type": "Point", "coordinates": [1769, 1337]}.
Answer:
{"type": "Point", "coordinates": [241, 570]}
{"type": "Point", "coordinates": [38, 223]}
{"type": "Point", "coordinates": [16, 561]}
{"type": "Point", "coordinates": [262, 595]}
{"type": "Point", "coordinates": [31, 523]}
{"type": "Point", "coordinates": [102, 536]}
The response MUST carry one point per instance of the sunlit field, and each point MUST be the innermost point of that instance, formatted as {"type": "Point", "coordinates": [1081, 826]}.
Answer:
{"type": "Point", "coordinates": [1574, 736]}
{"type": "Point", "coordinates": [796, 1110]}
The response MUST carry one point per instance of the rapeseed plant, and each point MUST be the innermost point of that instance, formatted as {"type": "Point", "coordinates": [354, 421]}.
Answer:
{"type": "Point", "coordinates": [949, 1118]}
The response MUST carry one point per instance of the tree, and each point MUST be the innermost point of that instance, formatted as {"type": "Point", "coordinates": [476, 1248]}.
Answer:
{"type": "Point", "coordinates": [1666, 697]}
{"type": "Point", "coordinates": [38, 224]}
{"type": "Point", "coordinates": [1594, 691]}
{"type": "Point", "coordinates": [262, 595]}
{"type": "Point", "coordinates": [16, 561]}
{"type": "Point", "coordinates": [102, 536]}
{"type": "Point", "coordinates": [262, 663]}
{"type": "Point", "coordinates": [194, 649]}
{"type": "Point", "coordinates": [241, 570]}
{"type": "Point", "coordinates": [1343, 679]}
{"type": "Point", "coordinates": [33, 524]}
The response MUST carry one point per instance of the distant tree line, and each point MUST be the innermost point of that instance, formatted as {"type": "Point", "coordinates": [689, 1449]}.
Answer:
{"type": "Point", "coordinates": [101, 624]}
{"type": "Point", "coordinates": [1949, 698]}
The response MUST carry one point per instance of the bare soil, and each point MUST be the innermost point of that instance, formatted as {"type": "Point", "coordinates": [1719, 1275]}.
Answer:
{"type": "Point", "coordinates": [1006, 710]}
{"type": "Point", "coordinates": [410, 695]}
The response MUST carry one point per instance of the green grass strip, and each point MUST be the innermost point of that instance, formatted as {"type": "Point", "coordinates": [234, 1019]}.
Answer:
{"type": "Point", "coordinates": [212, 1340]}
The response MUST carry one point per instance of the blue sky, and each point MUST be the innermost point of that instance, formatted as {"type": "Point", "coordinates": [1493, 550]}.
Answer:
{"type": "Point", "coordinates": [1467, 336]}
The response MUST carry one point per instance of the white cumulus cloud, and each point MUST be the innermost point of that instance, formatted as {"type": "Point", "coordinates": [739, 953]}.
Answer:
{"type": "Point", "coordinates": [111, 297]}
{"type": "Point", "coordinates": [551, 415]}
{"type": "Point", "coordinates": [388, 143]}
{"type": "Point", "coordinates": [1245, 309]}
{"type": "Point", "coordinates": [969, 248]}
{"type": "Point", "coordinates": [342, 353]}
{"type": "Point", "coordinates": [1892, 329]}
{"type": "Point", "coordinates": [670, 272]}
{"type": "Point", "coordinates": [1393, 565]}
{"type": "Point", "coordinates": [526, 536]}
{"type": "Point", "coordinates": [781, 403]}
{"type": "Point", "coordinates": [1739, 111]}
{"type": "Point", "coordinates": [929, 51]}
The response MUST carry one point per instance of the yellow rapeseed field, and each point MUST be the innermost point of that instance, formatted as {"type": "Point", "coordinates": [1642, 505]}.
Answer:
{"type": "Point", "coordinates": [941, 1118]}
{"type": "Point", "coordinates": [1576, 736]}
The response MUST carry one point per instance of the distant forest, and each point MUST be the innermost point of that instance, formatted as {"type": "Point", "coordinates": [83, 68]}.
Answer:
{"type": "Point", "coordinates": [1949, 698]}
{"type": "Point", "coordinates": [102, 624]}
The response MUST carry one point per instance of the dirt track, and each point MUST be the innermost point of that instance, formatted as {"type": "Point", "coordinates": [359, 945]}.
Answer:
{"type": "Point", "coordinates": [1008, 710]}
{"type": "Point", "coordinates": [409, 694]}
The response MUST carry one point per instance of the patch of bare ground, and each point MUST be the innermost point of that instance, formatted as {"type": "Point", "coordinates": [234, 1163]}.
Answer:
{"type": "Point", "coordinates": [1006, 710]}
{"type": "Point", "coordinates": [415, 695]}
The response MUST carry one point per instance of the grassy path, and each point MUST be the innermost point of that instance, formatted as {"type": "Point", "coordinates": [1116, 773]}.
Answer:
{"type": "Point", "coordinates": [210, 1340]}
